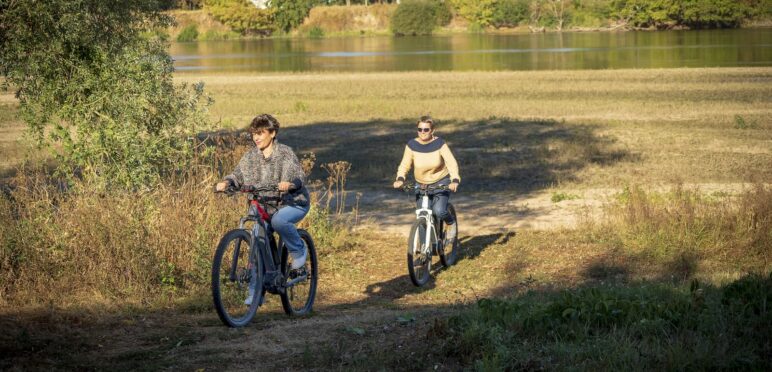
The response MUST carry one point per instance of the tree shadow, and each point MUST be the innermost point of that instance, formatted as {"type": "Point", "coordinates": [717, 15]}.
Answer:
{"type": "Point", "coordinates": [620, 267]}
{"type": "Point", "coordinates": [493, 154]}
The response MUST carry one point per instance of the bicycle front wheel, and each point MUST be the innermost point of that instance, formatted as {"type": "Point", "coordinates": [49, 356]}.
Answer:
{"type": "Point", "coordinates": [298, 297]}
{"type": "Point", "coordinates": [237, 279]}
{"type": "Point", "coordinates": [419, 256]}
{"type": "Point", "coordinates": [450, 247]}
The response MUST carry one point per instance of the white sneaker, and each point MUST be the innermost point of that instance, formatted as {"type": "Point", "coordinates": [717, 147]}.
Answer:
{"type": "Point", "coordinates": [298, 261]}
{"type": "Point", "coordinates": [250, 296]}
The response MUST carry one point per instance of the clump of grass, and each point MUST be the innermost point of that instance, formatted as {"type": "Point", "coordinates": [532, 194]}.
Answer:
{"type": "Point", "coordinates": [558, 197]}
{"type": "Point", "coordinates": [683, 226]}
{"type": "Point", "coordinates": [316, 32]}
{"type": "Point", "coordinates": [740, 123]}
{"type": "Point", "coordinates": [189, 33]}
{"type": "Point", "coordinates": [644, 326]}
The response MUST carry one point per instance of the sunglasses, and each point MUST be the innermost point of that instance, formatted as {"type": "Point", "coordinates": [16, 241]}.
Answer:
{"type": "Point", "coordinates": [424, 130]}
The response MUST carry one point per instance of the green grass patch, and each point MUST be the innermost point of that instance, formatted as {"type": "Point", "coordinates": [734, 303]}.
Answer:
{"type": "Point", "coordinates": [558, 197]}
{"type": "Point", "coordinates": [643, 326]}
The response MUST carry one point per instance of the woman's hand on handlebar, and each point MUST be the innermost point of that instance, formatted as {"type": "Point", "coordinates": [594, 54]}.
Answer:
{"type": "Point", "coordinates": [285, 186]}
{"type": "Point", "coordinates": [398, 184]}
{"type": "Point", "coordinates": [221, 186]}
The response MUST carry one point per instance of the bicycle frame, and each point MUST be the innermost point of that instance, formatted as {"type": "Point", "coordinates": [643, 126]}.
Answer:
{"type": "Point", "coordinates": [264, 248]}
{"type": "Point", "coordinates": [426, 213]}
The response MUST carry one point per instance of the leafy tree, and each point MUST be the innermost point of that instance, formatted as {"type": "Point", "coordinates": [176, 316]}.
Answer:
{"type": "Point", "coordinates": [712, 13]}
{"type": "Point", "coordinates": [443, 12]}
{"type": "Point", "coordinates": [478, 12]}
{"type": "Point", "coordinates": [95, 88]}
{"type": "Point", "coordinates": [289, 14]}
{"type": "Point", "coordinates": [665, 14]}
{"type": "Point", "coordinates": [509, 13]}
{"type": "Point", "coordinates": [414, 17]}
{"type": "Point", "coordinates": [242, 16]}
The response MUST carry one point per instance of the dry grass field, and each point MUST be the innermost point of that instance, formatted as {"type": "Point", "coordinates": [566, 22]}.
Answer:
{"type": "Point", "coordinates": [663, 175]}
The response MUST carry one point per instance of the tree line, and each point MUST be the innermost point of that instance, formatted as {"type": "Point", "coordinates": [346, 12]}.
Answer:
{"type": "Point", "coordinates": [286, 15]}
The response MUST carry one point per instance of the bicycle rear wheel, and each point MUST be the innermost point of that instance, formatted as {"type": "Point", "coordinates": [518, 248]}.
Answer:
{"type": "Point", "coordinates": [419, 257]}
{"type": "Point", "coordinates": [235, 268]}
{"type": "Point", "coordinates": [449, 252]}
{"type": "Point", "coordinates": [298, 298]}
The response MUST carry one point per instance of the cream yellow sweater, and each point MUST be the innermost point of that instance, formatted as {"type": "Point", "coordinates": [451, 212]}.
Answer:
{"type": "Point", "coordinates": [432, 162]}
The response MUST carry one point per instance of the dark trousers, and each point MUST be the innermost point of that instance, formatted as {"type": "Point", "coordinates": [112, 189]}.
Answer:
{"type": "Point", "coordinates": [438, 202]}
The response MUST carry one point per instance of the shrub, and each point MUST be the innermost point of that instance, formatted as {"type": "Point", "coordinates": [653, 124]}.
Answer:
{"type": "Point", "coordinates": [98, 92]}
{"type": "Point", "coordinates": [509, 13]}
{"type": "Point", "coordinates": [414, 17]}
{"type": "Point", "coordinates": [664, 14]}
{"type": "Point", "coordinates": [289, 14]}
{"type": "Point", "coordinates": [443, 12]}
{"type": "Point", "coordinates": [189, 33]}
{"type": "Point", "coordinates": [478, 12]}
{"type": "Point", "coordinates": [590, 13]}
{"type": "Point", "coordinates": [241, 16]}
{"type": "Point", "coordinates": [712, 14]}
{"type": "Point", "coordinates": [316, 32]}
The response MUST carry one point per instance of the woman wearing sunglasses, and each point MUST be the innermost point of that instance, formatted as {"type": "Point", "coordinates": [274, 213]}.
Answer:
{"type": "Point", "coordinates": [433, 164]}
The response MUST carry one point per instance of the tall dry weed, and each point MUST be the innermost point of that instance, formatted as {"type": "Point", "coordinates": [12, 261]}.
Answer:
{"type": "Point", "coordinates": [78, 246]}
{"type": "Point", "coordinates": [684, 226]}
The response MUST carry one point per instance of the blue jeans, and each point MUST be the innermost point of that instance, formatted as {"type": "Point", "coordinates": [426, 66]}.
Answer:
{"type": "Point", "coordinates": [438, 202]}
{"type": "Point", "coordinates": [284, 221]}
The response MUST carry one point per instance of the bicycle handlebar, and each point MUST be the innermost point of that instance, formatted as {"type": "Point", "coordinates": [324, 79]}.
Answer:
{"type": "Point", "coordinates": [248, 189]}
{"type": "Point", "coordinates": [421, 187]}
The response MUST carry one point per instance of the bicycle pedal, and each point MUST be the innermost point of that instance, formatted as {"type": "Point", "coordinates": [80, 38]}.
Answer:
{"type": "Point", "coordinates": [296, 273]}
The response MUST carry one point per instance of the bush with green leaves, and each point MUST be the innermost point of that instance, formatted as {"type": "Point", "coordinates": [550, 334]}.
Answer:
{"type": "Point", "coordinates": [189, 33]}
{"type": "Point", "coordinates": [242, 16]}
{"type": "Point", "coordinates": [414, 17]}
{"type": "Point", "coordinates": [289, 14]}
{"type": "Point", "coordinates": [479, 12]}
{"type": "Point", "coordinates": [509, 13]}
{"type": "Point", "coordinates": [443, 12]}
{"type": "Point", "coordinates": [664, 14]}
{"type": "Point", "coordinates": [94, 88]}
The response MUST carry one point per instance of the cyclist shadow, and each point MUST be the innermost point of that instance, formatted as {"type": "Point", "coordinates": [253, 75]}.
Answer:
{"type": "Point", "coordinates": [401, 286]}
{"type": "Point", "coordinates": [395, 289]}
{"type": "Point", "coordinates": [472, 246]}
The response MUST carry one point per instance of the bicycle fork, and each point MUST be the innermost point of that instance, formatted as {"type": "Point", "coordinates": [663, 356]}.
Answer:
{"type": "Point", "coordinates": [426, 213]}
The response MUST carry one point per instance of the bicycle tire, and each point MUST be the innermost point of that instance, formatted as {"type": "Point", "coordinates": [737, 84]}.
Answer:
{"type": "Point", "coordinates": [419, 264]}
{"type": "Point", "coordinates": [231, 278]}
{"type": "Point", "coordinates": [448, 257]}
{"type": "Point", "coordinates": [298, 299]}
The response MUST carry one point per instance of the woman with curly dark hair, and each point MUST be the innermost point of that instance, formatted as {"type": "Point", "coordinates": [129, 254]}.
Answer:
{"type": "Point", "coordinates": [273, 164]}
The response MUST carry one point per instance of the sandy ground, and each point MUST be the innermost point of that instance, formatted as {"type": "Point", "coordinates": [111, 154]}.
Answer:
{"type": "Point", "coordinates": [481, 214]}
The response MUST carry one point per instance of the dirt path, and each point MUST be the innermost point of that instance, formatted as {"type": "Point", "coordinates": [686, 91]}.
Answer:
{"type": "Point", "coordinates": [505, 211]}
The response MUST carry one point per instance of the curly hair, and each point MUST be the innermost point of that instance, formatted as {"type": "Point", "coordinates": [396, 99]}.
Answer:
{"type": "Point", "coordinates": [263, 122]}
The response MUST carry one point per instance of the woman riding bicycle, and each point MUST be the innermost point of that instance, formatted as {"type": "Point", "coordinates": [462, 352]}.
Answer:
{"type": "Point", "coordinates": [434, 165]}
{"type": "Point", "coordinates": [272, 164]}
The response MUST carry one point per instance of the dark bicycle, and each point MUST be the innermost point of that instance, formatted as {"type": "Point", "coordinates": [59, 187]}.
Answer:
{"type": "Point", "coordinates": [427, 236]}
{"type": "Point", "coordinates": [250, 262]}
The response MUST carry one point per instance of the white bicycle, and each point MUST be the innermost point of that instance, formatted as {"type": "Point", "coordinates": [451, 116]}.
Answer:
{"type": "Point", "coordinates": [427, 237]}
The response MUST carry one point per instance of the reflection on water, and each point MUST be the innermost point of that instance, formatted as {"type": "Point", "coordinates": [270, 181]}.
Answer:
{"type": "Point", "coordinates": [596, 50]}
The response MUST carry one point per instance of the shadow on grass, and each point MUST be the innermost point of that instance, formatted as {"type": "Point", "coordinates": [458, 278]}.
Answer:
{"type": "Point", "coordinates": [494, 154]}
{"type": "Point", "coordinates": [619, 267]}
